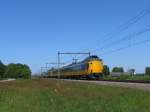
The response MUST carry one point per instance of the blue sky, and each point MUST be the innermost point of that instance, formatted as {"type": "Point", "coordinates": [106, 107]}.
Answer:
{"type": "Point", "coordinates": [33, 31]}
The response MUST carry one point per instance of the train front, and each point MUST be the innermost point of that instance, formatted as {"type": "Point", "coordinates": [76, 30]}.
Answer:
{"type": "Point", "coordinates": [95, 69]}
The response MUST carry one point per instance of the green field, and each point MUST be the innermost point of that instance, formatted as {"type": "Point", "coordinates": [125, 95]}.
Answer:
{"type": "Point", "coordinates": [43, 95]}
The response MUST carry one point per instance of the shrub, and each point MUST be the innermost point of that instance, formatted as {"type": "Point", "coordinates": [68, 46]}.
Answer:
{"type": "Point", "coordinates": [147, 70]}
{"type": "Point", "coordinates": [106, 71]}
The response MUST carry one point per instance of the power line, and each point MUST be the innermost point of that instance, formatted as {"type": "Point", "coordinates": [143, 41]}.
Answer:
{"type": "Point", "coordinates": [128, 46]}
{"type": "Point", "coordinates": [129, 23]}
{"type": "Point", "coordinates": [126, 38]}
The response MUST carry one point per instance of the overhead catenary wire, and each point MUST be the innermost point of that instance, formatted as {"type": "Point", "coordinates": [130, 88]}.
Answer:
{"type": "Point", "coordinates": [126, 38]}
{"type": "Point", "coordinates": [127, 24]}
{"type": "Point", "coordinates": [128, 46]}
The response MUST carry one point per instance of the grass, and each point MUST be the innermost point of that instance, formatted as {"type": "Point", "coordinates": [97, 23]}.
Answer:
{"type": "Point", "coordinates": [43, 95]}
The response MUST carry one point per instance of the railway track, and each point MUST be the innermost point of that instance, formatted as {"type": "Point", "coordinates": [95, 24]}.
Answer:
{"type": "Point", "coordinates": [125, 84]}
{"type": "Point", "coordinates": [126, 81]}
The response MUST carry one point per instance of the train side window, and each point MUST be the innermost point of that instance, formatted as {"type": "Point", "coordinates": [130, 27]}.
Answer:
{"type": "Point", "coordinates": [84, 66]}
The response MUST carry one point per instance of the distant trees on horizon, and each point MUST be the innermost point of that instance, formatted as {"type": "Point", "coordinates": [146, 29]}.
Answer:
{"type": "Point", "coordinates": [13, 70]}
{"type": "Point", "coordinates": [118, 69]}
{"type": "Point", "coordinates": [121, 70]}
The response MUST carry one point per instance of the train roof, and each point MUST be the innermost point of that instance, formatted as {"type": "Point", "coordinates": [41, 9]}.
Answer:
{"type": "Point", "coordinates": [93, 57]}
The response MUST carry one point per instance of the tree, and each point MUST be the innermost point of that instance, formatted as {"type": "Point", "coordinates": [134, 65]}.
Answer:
{"type": "Point", "coordinates": [2, 69]}
{"type": "Point", "coordinates": [106, 70]}
{"type": "Point", "coordinates": [118, 69]}
{"type": "Point", "coordinates": [147, 70]}
{"type": "Point", "coordinates": [17, 71]}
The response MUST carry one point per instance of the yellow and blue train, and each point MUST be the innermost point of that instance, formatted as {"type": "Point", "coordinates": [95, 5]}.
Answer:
{"type": "Point", "coordinates": [91, 67]}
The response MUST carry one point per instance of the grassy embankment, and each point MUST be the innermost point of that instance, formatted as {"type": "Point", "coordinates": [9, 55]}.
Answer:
{"type": "Point", "coordinates": [60, 96]}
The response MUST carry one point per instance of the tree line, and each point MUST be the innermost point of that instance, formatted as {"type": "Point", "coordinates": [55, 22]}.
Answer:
{"type": "Point", "coordinates": [106, 70]}
{"type": "Point", "coordinates": [13, 70]}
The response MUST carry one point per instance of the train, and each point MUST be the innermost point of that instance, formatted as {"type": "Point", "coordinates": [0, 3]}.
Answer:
{"type": "Point", "coordinates": [90, 68]}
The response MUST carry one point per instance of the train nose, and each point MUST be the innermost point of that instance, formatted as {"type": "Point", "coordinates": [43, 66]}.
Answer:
{"type": "Point", "coordinates": [95, 67]}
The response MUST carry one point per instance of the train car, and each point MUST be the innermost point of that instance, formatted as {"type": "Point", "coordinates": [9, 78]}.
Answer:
{"type": "Point", "coordinates": [91, 67]}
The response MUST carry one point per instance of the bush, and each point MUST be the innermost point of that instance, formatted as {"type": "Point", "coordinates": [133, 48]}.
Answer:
{"type": "Point", "coordinates": [106, 71]}
{"type": "Point", "coordinates": [2, 69]}
{"type": "Point", "coordinates": [147, 70]}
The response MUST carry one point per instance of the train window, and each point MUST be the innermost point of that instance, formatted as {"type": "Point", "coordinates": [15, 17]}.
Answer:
{"type": "Point", "coordinates": [84, 66]}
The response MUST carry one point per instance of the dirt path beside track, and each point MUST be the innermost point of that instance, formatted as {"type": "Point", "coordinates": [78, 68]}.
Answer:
{"type": "Point", "coordinates": [7, 80]}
